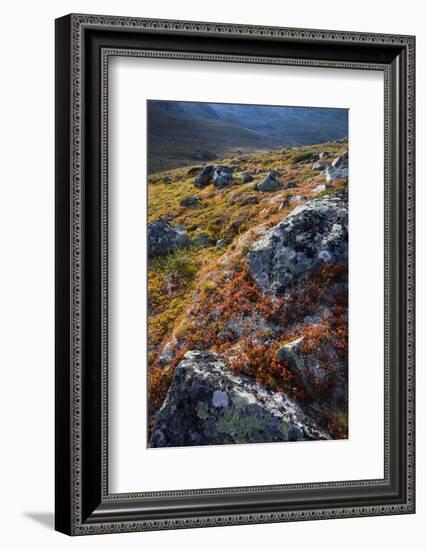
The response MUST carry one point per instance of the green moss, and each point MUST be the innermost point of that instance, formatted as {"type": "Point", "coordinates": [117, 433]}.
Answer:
{"type": "Point", "coordinates": [202, 410]}
{"type": "Point", "coordinates": [331, 191]}
{"type": "Point", "coordinates": [300, 157]}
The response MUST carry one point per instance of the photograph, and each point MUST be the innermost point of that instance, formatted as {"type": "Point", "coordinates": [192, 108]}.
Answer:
{"type": "Point", "coordinates": [247, 245]}
{"type": "Point", "coordinates": [234, 260]}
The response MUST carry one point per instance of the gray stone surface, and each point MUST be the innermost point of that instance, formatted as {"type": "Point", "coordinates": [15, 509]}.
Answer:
{"type": "Point", "coordinates": [205, 177]}
{"type": "Point", "coordinates": [190, 202]}
{"type": "Point", "coordinates": [209, 405]}
{"type": "Point", "coordinates": [247, 177]}
{"type": "Point", "coordinates": [309, 236]}
{"type": "Point", "coordinates": [163, 237]}
{"type": "Point", "coordinates": [310, 371]}
{"type": "Point", "coordinates": [222, 176]}
{"type": "Point", "coordinates": [270, 183]}
{"type": "Point", "coordinates": [201, 240]}
{"type": "Point", "coordinates": [338, 169]}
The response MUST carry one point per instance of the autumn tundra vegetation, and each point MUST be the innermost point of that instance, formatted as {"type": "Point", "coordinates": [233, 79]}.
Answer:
{"type": "Point", "coordinates": [248, 298]}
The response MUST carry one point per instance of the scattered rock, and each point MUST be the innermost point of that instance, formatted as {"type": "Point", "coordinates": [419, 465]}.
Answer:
{"type": "Point", "coordinates": [289, 185]}
{"type": "Point", "coordinates": [310, 235]}
{"type": "Point", "coordinates": [276, 198]}
{"type": "Point", "coordinates": [247, 177]}
{"type": "Point", "coordinates": [163, 237]}
{"type": "Point", "coordinates": [208, 405]}
{"type": "Point", "coordinates": [306, 368]}
{"type": "Point", "coordinates": [283, 204]}
{"type": "Point", "coordinates": [340, 161]}
{"type": "Point", "coordinates": [320, 188]}
{"type": "Point", "coordinates": [205, 177]}
{"type": "Point", "coordinates": [319, 166]}
{"type": "Point", "coordinates": [191, 202]}
{"type": "Point", "coordinates": [295, 198]}
{"type": "Point", "coordinates": [289, 352]}
{"type": "Point", "coordinates": [201, 240]}
{"type": "Point", "coordinates": [168, 352]}
{"type": "Point", "coordinates": [221, 243]}
{"type": "Point", "coordinates": [270, 183]}
{"type": "Point", "coordinates": [250, 199]}
{"type": "Point", "coordinates": [222, 176]}
{"type": "Point", "coordinates": [167, 179]}
{"type": "Point", "coordinates": [338, 168]}
{"type": "Point", "coordinates": [324, 155]}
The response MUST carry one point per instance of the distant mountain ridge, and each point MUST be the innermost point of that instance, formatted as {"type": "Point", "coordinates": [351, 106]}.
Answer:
{"type": "Point", "coordinates": [181, 133]}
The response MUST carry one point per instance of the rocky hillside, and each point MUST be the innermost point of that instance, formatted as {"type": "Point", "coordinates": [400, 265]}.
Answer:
{"type": "Point", "coordinates": [247, 293]}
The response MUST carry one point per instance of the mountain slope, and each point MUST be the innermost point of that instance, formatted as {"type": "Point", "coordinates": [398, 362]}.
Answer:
{"type": "Point", "coordinates": [181, 133]}
{"type": "Point", "coordinates": [261, 281]}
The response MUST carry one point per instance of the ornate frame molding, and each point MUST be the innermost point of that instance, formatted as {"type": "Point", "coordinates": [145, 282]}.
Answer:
{"type": "Point", "coordinates": [78, 523]}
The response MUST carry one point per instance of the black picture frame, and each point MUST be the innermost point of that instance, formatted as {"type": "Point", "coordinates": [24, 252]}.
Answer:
{"type": "Point", "coordinates": [83, 45]}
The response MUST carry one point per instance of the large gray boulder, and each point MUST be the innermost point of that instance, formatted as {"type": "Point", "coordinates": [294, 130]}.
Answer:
{"type": "Point", "coordinates": [338, 169]}
{"type": "Point", "coordinates": [222, 176]}
{"type": "Point", "coordinates": [163, 237]}
{"type": "Point", "coordinates": [308, 237]}
{"type": "Point", "coordinates": [208, 405]}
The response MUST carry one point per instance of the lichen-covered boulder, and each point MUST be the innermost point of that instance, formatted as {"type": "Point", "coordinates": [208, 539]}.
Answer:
{"type": "Point", "coordinates": [222, 176]}
{"type": "Point", "coordinates": [209, 405]}
{"type": "Point", "coordinates": [164, 237]}
{"type": "Point", "coordinates": [311, 235]}
{"type": "Point", "coordinates": [247, 177]}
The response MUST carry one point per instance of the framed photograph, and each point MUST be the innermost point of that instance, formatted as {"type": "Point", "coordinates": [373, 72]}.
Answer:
{"type": "Point", "coordinates": [234, 274]}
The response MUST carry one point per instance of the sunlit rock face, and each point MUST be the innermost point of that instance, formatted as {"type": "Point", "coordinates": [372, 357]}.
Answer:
{"type": "Point", "coordinates": [311, 235]}
{"type": "Point", "coordinates": [209, 405]}
{"type": "Point", "coordinates": [338, 169]}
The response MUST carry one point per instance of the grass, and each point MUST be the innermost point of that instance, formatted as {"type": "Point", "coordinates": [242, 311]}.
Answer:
{"type": "Point", "coordinates": [332, 191]}
{"type": "Point", "coordinates": [198, 296]}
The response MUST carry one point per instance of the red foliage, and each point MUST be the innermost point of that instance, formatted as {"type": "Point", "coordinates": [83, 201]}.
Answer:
{"type": "Point", "coordinates": [253, 353]}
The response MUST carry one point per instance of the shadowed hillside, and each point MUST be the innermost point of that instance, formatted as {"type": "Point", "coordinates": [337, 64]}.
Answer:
{"type": "Point", "coordinates": [181, 133]}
